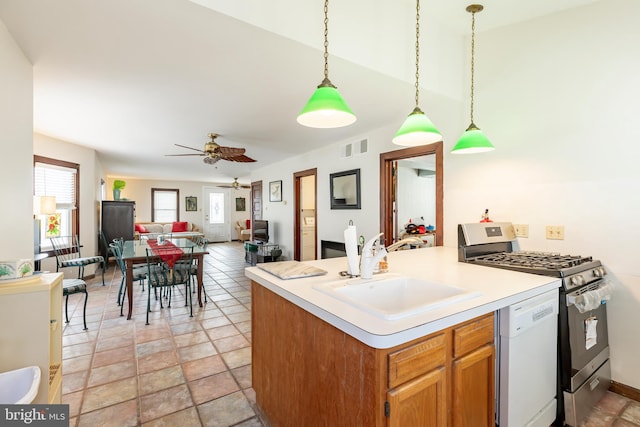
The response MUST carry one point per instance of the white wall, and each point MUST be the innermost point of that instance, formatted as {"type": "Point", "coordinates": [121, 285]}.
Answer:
{"type": "Point", "coordinates": [559, 97]}
{"type": "Point", "coordinates": [16, 129]}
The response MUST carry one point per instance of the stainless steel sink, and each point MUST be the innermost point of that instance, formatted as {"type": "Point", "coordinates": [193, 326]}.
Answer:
{"type": "Point", "coordinates": [391, 296]}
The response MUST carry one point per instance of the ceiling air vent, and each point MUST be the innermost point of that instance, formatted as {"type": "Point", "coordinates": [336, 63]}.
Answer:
{"type": "Point", "coordinates": [354, 148]}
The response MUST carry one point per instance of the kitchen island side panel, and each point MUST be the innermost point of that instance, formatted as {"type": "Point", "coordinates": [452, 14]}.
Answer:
{"type": "Point", "coordinates": [307, 372]}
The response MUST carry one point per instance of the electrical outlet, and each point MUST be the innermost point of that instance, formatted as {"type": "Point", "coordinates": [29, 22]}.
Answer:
{"type": "Point", "coordinates": [522, 230]}
{"type": "Point", "coordinates": [555, 232]}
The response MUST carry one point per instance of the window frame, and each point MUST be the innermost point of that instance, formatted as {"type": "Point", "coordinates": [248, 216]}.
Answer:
{"type": "Point", "coordinates": [153, 198]}
{"type": "Point", "coordinates": [75, 212]}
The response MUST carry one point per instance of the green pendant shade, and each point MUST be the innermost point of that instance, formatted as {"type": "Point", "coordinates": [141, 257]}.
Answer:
{"type": "Point", "coordinates": [326, 109]}
{"type": "Point", "coordinates": [416, 130]}
{"type": "Point", "coordinates": [472, 141]}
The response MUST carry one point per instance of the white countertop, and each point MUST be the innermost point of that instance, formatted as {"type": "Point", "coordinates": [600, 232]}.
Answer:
{"type": "Point", "coordinates": [499, 288]}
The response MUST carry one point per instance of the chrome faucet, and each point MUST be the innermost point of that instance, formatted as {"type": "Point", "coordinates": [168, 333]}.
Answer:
{"type": "Point", "coordinates": [368, 260]}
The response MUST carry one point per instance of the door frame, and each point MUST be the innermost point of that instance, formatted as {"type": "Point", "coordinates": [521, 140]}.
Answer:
{"type": "Point", "coordinates": [297, 207]}
{"type": "Point", "coordinates": [387, 186]}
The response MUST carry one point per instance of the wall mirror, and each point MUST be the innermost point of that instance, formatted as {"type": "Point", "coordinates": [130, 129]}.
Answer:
{"type": "Point", "coordinates": [345, 189]}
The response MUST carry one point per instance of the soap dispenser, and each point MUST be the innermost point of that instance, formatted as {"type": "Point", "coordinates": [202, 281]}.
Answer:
{"type": "Point", "coordinates": [383, 264]}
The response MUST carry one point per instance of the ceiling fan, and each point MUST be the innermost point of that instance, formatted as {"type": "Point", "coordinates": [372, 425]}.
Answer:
{"type": "Point", "coordinates": [235, 185]}
{"type": "Point", "coordinates": [213, 152]}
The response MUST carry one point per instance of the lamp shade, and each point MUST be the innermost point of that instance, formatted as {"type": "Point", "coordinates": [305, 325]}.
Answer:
{"type": "Point", "coordinates": [43, 205]}
{"type": "Point", "coordinates": [416, 130]}
{"type": "Point", "coordinates": [472, 141]}
{"type": "Point", "coordinates": [326, 109]}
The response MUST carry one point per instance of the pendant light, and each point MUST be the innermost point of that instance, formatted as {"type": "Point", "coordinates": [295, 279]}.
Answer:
{"type": "Point", "coordinates": [417, 129]}
{"type": "Point", "coordinates": [326, 108]}
{"type": "Point", "coordinates": [473, 140]}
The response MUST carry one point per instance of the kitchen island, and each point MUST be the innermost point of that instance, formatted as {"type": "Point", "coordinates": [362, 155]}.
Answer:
{"type": "Point", "coordinates": [318, 360]}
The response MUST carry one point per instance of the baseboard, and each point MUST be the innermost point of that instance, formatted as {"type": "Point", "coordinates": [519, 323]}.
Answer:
{"type": "Point", "coordinates": [625, 390]}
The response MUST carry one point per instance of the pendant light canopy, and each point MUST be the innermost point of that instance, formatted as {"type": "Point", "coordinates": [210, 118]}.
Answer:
{"type": "Point", "coordinates": [326, 108]}
{"type": "Point", "coordinates": [417, 129]}
{"type": "Point", "coordinates": [473, 140]}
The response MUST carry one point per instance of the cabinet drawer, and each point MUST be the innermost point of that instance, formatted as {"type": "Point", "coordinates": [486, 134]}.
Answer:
{"type": "Point", "coordinates": [472, 335]}
{"type": "Point", "coordinates": [416, 360]}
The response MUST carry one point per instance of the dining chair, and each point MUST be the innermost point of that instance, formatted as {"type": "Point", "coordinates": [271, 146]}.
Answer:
{"type": "Point", "coordinates": [138, 274]}
{"type": "Point", "coordinates": [67, 252]}
{"type": "Point", "coordinates": [164, 272]}
{"type": "Point", "coordinates": [75, 286]}
{"type": "Point", "coordinates": [108, 250]}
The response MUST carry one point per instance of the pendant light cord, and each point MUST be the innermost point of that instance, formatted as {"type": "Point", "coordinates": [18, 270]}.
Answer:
{"type": "Point", "coordinates": [417, 49]}
{"type": "Point", "coordinates": [473, 48]}
{"type": "Point", "coordinates": [326, 39]}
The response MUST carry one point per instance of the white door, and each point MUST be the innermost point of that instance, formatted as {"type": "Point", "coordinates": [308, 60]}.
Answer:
{"type": "Point", "coordinates": [217, 226]}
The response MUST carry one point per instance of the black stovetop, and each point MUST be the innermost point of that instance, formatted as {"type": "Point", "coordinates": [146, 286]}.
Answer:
{"type": "Point", "coordinates": [542, 263]}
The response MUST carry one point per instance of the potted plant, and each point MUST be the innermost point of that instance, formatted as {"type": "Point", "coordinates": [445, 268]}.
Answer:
{"type": "Point", "coordinates": [118, 185]}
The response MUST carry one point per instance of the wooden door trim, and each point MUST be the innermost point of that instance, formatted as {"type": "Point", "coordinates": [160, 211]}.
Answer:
{"type": "Point", "coordinates": [386, 186]}
{"type": "Point", "coordinates": [296, 211]}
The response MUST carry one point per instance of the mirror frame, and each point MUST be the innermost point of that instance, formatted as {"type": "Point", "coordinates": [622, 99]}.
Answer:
{"type": "Point", "coordinates": [386, 186]}
{"type": "Point", "coordinates": [332, 177]}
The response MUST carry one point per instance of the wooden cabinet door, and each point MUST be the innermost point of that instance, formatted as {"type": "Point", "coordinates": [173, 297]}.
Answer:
{"type": "Point", "coordinates": [473, 389]}
{"type": "Point", "coordinates": [420, 402]}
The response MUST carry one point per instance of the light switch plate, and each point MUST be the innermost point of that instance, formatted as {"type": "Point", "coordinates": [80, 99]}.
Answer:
{"type": "Point", "coordinates": [522, 230]}
{"type": "Point", "coordinates": [555, 232]}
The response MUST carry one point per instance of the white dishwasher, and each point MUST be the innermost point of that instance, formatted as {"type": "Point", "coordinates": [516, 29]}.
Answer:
{"type": "Point", "coordinates": [526, 383]}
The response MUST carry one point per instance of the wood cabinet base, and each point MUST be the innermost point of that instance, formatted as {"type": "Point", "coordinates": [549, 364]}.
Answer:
{"type": "Point", "coordinates": [308, 373]}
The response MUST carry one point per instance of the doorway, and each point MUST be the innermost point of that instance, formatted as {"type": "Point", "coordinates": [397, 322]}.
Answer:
{"type": "Point", "coordinates": [217, 226]}
{"type": "Point", "coordinates": [388, 188]}
{"type": "Point", "coordinates": [305, 217]}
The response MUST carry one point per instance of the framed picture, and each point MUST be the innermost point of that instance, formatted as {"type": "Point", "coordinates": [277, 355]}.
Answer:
{"type": "Point", "coordinates": [191, 203]}
{"type": "Point", "coordinates": [240, 206]}
{"type": "Point", "coordinates": [275, 191]}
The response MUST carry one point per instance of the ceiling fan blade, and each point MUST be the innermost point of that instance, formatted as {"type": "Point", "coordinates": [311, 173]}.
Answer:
{"type": "Point", "coordinates": [201, 154]}
{"type": "Point", "coordinates": [211, 160]}
{"type": "Point", "coordinates": [190, 148]}
{"type": "Point", "coordinates": [229, 151]}
{"type": "Point", "coordinates": [241, 159]}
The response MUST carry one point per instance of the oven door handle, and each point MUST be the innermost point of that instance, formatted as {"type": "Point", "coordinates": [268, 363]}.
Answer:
{"type": "Point", "coordinates": [590, 297]}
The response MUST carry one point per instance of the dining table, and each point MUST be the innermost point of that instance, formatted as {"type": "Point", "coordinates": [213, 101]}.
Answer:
{"type": "Point", "coordinates": [135, 252]}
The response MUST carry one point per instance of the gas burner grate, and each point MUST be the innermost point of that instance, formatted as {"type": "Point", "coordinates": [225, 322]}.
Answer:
{"type": "Point", "coordinates": [534, 260]}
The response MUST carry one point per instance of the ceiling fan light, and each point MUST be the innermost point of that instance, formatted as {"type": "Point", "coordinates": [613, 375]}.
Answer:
{"type": "Point", "coordinates": [472, 141]}
{"type": "Point", "coordinates": [416, 130]}
{"type": "Point", "coordinates": [326, 109]}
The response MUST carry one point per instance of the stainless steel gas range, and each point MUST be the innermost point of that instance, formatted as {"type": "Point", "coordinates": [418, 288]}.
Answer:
{"type": "Point", "coordinates": [583, 374]}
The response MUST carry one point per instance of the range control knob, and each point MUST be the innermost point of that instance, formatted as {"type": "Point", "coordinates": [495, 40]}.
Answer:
{"type": "Point", "coordinates": [603, 272]}
{"type": "Point", "coordinates": [577, 280]}
{"type": "Point", "coordinates": [597, 272]}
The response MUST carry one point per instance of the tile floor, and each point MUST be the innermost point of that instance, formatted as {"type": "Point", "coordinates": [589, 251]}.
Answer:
{"type": "Point", "coordinates": [182, 371]}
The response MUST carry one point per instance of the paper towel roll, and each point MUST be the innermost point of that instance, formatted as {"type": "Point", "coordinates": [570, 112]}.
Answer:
{"type": "Point", "coordinates": [351, 247]}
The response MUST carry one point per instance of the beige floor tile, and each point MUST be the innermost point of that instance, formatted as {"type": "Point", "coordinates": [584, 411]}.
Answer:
{"type": "Point", "coordinates": [226, 411]}
{"type": "Point", "coordinates": [212, 387]}
{"type": "Point", "coordinates": [164, 402]}
{"type": "Point", "coordinates": [117, 371]}
{"type": "Point", "coordinates": [205, 367]}
{"type": "Point", "coordinates": [157, 361]}
{"type": "Point", "coordinates": [197, 351]}
{"type": "Point", "coordinates": [124, 414]}
{"type": "Point", "coordinates": [161, 379]}
{"type": "Point", "coordinates": [185, 418]}
{"type": "Point", "coordinates": [236, 342]}
{"type": "Point", "coordinates": [110, 394]}
{"type": "Point", "coordinates": [191, 338]}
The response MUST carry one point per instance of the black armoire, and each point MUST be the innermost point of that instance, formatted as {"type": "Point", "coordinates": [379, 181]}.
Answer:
{"type": "Point", "coordinates": [118, 220]}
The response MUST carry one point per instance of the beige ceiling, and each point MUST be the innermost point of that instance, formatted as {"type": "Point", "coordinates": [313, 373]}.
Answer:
{"type": "Point", "coordinates": [131, 78]}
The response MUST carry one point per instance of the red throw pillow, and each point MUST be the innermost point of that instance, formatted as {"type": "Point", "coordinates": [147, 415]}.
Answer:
{"type": "Point", "coordinates": [179, 226]}
{"type": "Point", "coordinates": [140, 229]}
{"type": "Point", "coordinates": [248, 224]}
